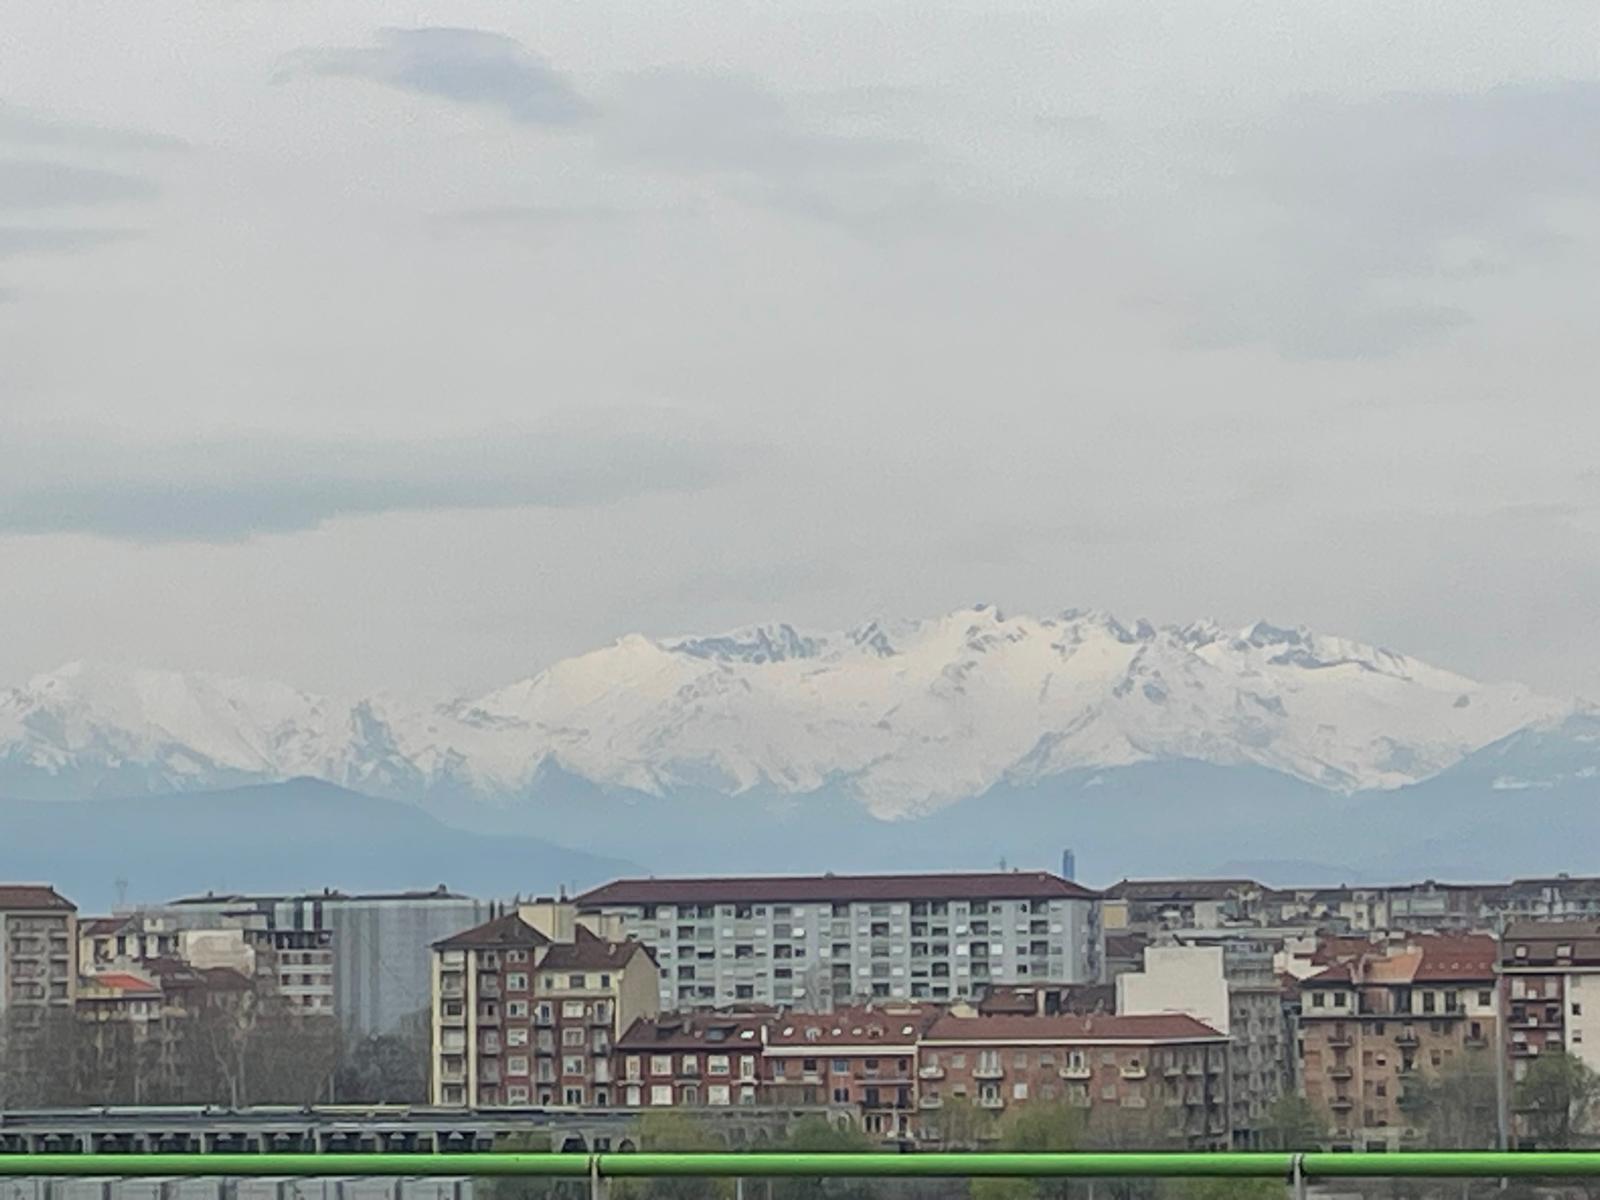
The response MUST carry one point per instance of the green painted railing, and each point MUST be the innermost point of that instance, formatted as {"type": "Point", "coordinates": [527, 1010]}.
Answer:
{"type": "Point", "coordinates": [1426, 1164]}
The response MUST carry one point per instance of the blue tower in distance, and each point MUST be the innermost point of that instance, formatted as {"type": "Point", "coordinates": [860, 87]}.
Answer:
{"type": "Point", "coordinates": [1069, 866]}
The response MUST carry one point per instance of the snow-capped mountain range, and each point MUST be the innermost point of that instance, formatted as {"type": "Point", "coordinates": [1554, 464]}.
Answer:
{"type": "Point", "coordinates": [906, 717]}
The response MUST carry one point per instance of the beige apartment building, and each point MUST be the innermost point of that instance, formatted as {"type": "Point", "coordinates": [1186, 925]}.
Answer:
{"type": "Point", "coordinates": [38, 951]}
{"type": "Point", "coordinates": [1379, 1021]}
{"type": "Point", "coordinates": [521, 1018]}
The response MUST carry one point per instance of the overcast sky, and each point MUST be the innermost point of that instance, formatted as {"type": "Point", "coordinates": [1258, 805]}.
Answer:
{"type": "Point", "coordinates": [419, 345]}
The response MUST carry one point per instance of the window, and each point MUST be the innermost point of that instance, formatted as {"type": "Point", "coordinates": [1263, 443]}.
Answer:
{"type": "Point", "coordinates": [716, 1064]}
{"type": "Point", "coordinates": [1019, 1091]}
{"type": "Point", "coordinates": [572, 1035]}
{"type": "Point", "coordinates": [573, 1064]}
{"type": "Point", "coordinates": [660, 1064]}
{"type": "Point", "coordinates": [1577, 1009]}
{"type": "Point", "coordinates": [841, 1066]}
{"type": "Point", "coordinates": [517, 982]}
{"type": "Point", "coordinates": [516, 956]}
{"type": "Point", "coordinates": [575, 981]}
{"type": "Point", "coordinates": [661, 1093]}
{"type": "Point", "coordinates": [1318, 1000]}
{"type": "Point", "coordinates": [1485, 999]}
{"type": "Point", "coordinates": [572, 1095]}
{"type": "Point", "coordinates": [1020, 1061]}
{"type": "Point", "coordinates": [573, 1008]}
{"type": "Point", "coordinates": [516, 1095]}
{"type": "Point", "coordinates": [516, 1037]}
{"type": "Point", "coordinates": [690, 1064]}
{"type": "Point", "coordinates": [517, 1064]}
{"type": "Point", "coordinates": [517, 1009]}
{"type": "Point", "coordinates": [717, 1095]}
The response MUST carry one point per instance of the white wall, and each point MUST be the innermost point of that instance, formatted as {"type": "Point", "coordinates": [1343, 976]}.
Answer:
{"type": "Point", "coordinates": [1178, 979]}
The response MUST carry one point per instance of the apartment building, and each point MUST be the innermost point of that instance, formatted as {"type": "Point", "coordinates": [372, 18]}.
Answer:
{"type": "Point", "coordinates": [1168, 1070]}
{"type": "Point", "coordinates": [364, 958]}
{"type": "Point", "coordinates": [1148, 905]}
{"type": "Point", "coordinates": [1253, 1015]}
{"type": "Point", "coordinates": [104, 942]}
{"type": "Point", "coordinates": [861, 1057]}
{"type": "Point", "coordinates": [1379, 1020]}
{"type": "Point", "coordinates": [690, 1060]}
{"type": "Point", "coordinates": [1550, 990]}
{"type": "Point", "coordinates": [521, 1019]}
{"type": "Point", "coordinates": [813, 942]}
{"type": "Point", "coordinates": [38, 951]}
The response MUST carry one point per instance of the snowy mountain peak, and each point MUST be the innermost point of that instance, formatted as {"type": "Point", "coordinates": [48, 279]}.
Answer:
{"type": "Point", "coordinates": [906, 715]}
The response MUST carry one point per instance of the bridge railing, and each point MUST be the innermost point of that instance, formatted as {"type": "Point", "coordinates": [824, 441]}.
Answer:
{"type": "Point", "coordinates": [1295, 1170]}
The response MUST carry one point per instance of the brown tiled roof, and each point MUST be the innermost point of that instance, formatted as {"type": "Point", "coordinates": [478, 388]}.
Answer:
{"type": "Point", "coordinates": [897, 1025]}
{"type": "Point", "coordinates": [509, 931]}
{"type": "Point", "coordinates": [1463, 958]}
{"type": "Point", "coordinates": [811, 889]}
{"type": "Point", "coordinates": [586, 952]}
{"type": "Point", "coordinates": [33, 896]}
{"type": "Point", "coordinates": [1339, 974]}
{"type": "Point", "coordinates": [692, 1031]}
{"type": "Point", "coordinates": [101, 926]}
{"type": "Point", "coordinates": [1180, 889]}
{"type": "Point", "coordinates": [1024, 999]}
{"type": "Point", "coordinates": [1159, 1027]}
{"type": "Point", "coordinates": [1541, 939]}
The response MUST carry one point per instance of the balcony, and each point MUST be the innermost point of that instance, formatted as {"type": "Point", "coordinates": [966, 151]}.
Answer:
{"type": "Point", "coordinates": [1134, 1071]}
{"type": "Point", "coordinates": [1340, 1041]}
{"type": "Point", "coordinates": [930, 1072]}
{"type": "Point", "coordinates": [991, 1101]}
{"type": "Point", "coordinates": [930, 1102]}
{"type": "Point", "coordinates": [1340, 1072]}
{"type": "Point", "coordinates": [1077, 1071]}
{"type": "Point", "coordinates": [1341, 1102]}
{"type": "Point", "coordinates": [1406, 1037]}
{"type": "Point", "coordinates": [988, 1071]}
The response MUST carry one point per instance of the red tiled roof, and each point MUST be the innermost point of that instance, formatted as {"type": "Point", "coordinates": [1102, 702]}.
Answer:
{"type": "Point", "coordinates": [1338, 975]}
{"type": "Point", "coordinates": [1157, 1027]}
{"type": "Point", "coordinates": [509, 931]}
{"type": "Point", "coordinates": [29, 896]}
{"type": "Point", "coordinates": [123, 982]}
{"type": "Point", "coordinates": [1466, 957]}
{"type": "Point", "coordinates": [811, 889]}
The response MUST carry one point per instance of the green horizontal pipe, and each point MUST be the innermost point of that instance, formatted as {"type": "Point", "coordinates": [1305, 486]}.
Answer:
{"type": "Point", "coordinates": [1434, 1164]}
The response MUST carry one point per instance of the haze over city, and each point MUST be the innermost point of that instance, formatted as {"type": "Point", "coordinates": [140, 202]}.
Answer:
{"type": "Point", "coordinates": [911, 579]}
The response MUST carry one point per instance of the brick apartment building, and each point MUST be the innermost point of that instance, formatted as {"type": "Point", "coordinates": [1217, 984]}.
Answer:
{"type": "Point", "coordinates": [1170, 1069]}
{"type": "Point", "coordinates": [522, 1019]}
{"type": "Point", "coordinates": [811, 942]}
{"type": "Point", "coordinates": [1377, 1020]}
{"type": "Point", "coordinates": [38, 951]}
{"type": "Point", "coordinates": [690, 1060]}
{"type": "Point", "coordinates": [863, 1057]}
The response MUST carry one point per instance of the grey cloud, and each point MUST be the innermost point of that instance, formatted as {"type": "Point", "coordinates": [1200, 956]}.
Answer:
{"type": "Point", "coordinates": [1336, 216]}
{"type": "Point", "coordinates": [232, 490]}
{"type": "Point", "coordinates": [712, 123]}
{"type": "Point", "coordinates": [17, 241]}
{"type": "Point", "coordinates": [530, 216]}
{"type": "Point", "coordinates": [20, 127]}
{"type": "Point", "coordinates": [29, 184]}
{"type": "Point", "coordinates": [468, 66]}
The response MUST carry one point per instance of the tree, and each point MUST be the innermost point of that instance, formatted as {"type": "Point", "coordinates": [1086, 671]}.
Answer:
{"type": "Point", "coordinates": [818, 1135]}
{"type": "Point", "coordinates": [1557, 1098]}
{"type": "Point", "coordinates": [1291, 1124]}
{"type": "Point", "coordinates": [1124, 1129]}
{"type": "Point", "coordinates": [1041, 1127]}
{"type": "Point", "coordinates": [959, 1124]}
{"type": "Point", "coordinates": [1230, 1189]}
{"type": "Point", "coordinates": [1456, 1108]}
{"type": "Point", "coordinates": [676, 1132]}
{"type": "Point", "coordinates": [385, 1068]}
